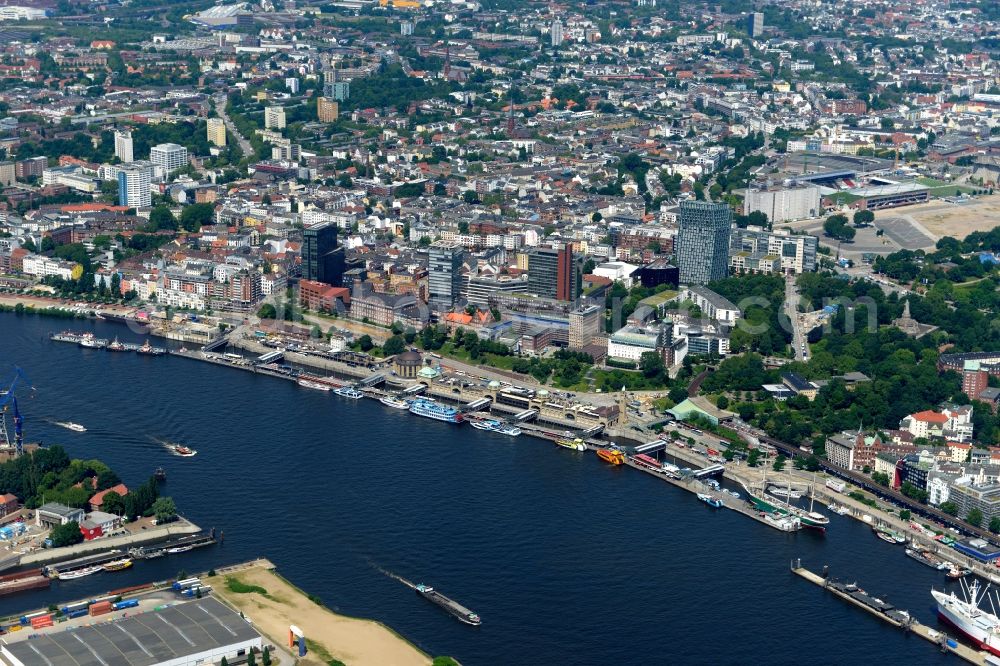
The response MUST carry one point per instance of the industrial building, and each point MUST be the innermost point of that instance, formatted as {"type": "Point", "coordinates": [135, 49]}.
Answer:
{"type": "Point", "coordinates": [197, 632]}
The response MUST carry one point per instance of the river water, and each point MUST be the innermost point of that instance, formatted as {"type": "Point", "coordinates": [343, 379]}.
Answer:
{"type": "Point", "coordinates": [566, 559]}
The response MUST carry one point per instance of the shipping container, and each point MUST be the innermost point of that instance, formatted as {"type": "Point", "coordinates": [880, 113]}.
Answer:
{"type": "Point", "coordinates": [100, 608]}
{"type": "Point", "coordinates": [26, 619]}
{"type": "Point", "coordinates": [79, 612]}
{"type": "Point", "coordinates": [186, 583]}
{"type": "Point", "coordinates": [128, 603]}
{"type": "Point", "coordinates": [40, 621]}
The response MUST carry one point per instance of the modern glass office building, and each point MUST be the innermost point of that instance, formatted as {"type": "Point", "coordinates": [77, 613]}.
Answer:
{"type": "Point", "coordinates": [702, 248]}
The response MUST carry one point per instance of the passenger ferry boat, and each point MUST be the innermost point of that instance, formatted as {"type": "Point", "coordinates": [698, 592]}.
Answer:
{"type": "Point", "coordinates": [612, 456]}
{"type": "Point", "coordinates": [306, 383]}
{"type": "Point", "coordinates": [711, 501]}
{"type": "Point", "coordinates": [118, 565]}
{"type": "Point", "coordinates": [395, 403]}
{"type": "Point", "coordinates": [89, 341]}
{"type": "Point", "coordinates": [348, 392]}
{"type": "Point", "coordinates": [435, 410]}
{"type": "Point", "coordinates": [492, 425]}
{"type": "Point", "coordinates": [573, 444]}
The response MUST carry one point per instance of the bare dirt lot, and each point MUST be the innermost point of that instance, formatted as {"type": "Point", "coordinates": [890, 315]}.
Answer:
{"type": "Point", "coordinates": [958, 220]}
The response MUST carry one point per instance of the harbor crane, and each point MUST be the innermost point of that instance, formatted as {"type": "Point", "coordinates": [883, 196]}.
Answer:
{"type": "Point", "coordinates": [8, 402]}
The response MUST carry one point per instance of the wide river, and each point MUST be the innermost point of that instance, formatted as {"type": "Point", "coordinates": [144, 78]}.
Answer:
{"type": "Point", "coordinates": [567, 560]}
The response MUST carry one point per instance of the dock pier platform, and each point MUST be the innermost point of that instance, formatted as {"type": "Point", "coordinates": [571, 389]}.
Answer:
{"type": "Point", "coordinates": [904, 622]}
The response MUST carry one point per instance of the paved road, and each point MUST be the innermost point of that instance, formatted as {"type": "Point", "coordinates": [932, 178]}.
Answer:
{"type": "Point", "coordinates": [792, 312]}
{"type": "Point", "coordinates": [220, 108]}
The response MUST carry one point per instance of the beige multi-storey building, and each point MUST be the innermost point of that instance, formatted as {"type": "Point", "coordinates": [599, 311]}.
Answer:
{"type": "Point", "coordinates": [216, 132]}
{"type": "Point", "coordinates": [327, 110]}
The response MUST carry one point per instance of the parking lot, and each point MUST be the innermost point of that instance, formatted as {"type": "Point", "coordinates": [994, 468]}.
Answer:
{"type": "Point", "coordinates": [904, 233]}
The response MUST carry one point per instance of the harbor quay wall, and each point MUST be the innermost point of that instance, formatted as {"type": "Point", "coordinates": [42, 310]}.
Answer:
{"type": "Point", "coordinates": [159, 533]}
{"type": "Point", "coordinates": [563, 416]}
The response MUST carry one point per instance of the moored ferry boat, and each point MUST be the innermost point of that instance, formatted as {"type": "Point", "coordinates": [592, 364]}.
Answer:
{"type": "Point", "coordinates": [66, 336]}
{"type": "Point", "coordinates": [709, 500]}
{"type": "Point", "coordinates": [492, 425]}
{"type": "Point", "coordinates": [348, 392]}
{"type": "Point", "coordinates": [118, 565]}
{"type": "Point", "coordinates": [89, 341]}
{"type": "Point", "coordinates": [612, 456]}
{"type": "Point", "coordinates": [576, 444]}
{"type": "Point", "coordinates": [395, 403]}
{"type": "Point", "coordinates": [306, 383]}
{"type": "Point", "coordinates": [435, 410]}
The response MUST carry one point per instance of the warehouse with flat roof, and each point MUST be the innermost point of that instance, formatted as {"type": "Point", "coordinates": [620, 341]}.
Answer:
{"type": "Point", "coordinates": [202, 631]}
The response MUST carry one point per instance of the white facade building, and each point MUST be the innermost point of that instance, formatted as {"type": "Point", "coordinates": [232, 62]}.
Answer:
{"type": "Point", "coordinates": [782, 204]}
{"type": "Point", "coordinates": [274, 117]}
{"type": "Point", "coordinates": [41, 267]}
{"type": "Point", "coordinates": [168, 156]}
{"type": "Point", "coordinates": [134, 185]}
{"type": "Point", "coordinates": [124, 145]}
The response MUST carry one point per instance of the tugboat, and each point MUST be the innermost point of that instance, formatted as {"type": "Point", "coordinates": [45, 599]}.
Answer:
{"type": "Point", "coordinates": [146, 348]}
{"type": "Point", "coordinates": [117, 346]}
{"type": "Point", "coordinates": [160, 474]}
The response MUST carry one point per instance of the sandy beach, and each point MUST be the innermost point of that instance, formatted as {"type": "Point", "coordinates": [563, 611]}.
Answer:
{"type": "Point", "coordinates": [353, 641]}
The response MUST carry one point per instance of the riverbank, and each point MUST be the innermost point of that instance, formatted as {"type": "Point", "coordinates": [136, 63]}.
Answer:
{"type": "Point", "coordinates": [272, 603]}
{"type": "Point", "coordinates": [149, 535]}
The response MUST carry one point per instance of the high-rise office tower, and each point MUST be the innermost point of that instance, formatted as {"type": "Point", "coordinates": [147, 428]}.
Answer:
{"type": "Point", "coordinates": [123, 145]}
{"type": "Point", "coordinates": [322, 260]}
{"type": "Point", "coordinates": [702, 247]}
{"type": "Point", "coordinates": [555, 273]}
{"type": "Point", "coordinates": [444, 274]}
